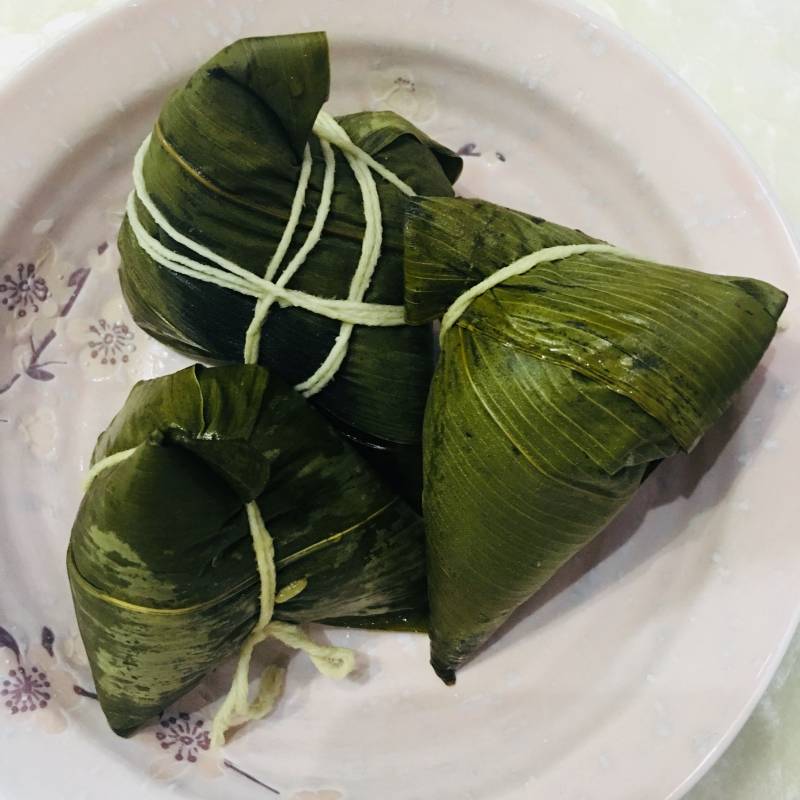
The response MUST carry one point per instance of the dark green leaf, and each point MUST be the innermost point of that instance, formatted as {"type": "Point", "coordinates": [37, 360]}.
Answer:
{"type": "Point", "coordinates": [223, 166]}
{"type": "Point", "coordinates": [554, 392]}
{"type": "Point", "coordinates": [161, 559]}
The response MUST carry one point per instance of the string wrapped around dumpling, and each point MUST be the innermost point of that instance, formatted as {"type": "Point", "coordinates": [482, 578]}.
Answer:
{"type": "Point", "coordinates": [568, 367]}
{"type": "Point", "coordinates": [252, 206]}
{"type": "Point", "coordinates": [197, 480]}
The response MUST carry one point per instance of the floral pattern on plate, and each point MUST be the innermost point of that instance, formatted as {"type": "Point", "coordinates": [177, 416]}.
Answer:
{"type": "Point", "coordinates": [36, 307]}
{"type": "Point", "coordinates": [37, 685]}
{"type": "Point", "coordinates": [24, 291]}
{"type": "Point", "coordinates": [112, 342]}
{"type": "Point", "coordinates": [181, 741]}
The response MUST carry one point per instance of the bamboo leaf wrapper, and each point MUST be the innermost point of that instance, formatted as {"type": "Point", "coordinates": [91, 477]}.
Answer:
{"type": "Point", "coordinates": [223, 166]}
{"type": "Point", "coordinates": [555, 390]}
{"type": "Point", "coordinates": [161, 560]}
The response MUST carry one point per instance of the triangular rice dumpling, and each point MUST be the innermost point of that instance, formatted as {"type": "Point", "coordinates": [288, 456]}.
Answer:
{"type": "Point", "coordinates": [161, 560]}
{"type": "Point", "coordinates": [223, 166]}
{"type": "Point", "coordinates": [555, 389]}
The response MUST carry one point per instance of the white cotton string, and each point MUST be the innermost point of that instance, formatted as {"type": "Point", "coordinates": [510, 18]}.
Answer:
{"type": "Point", "coordinates": [181, 264]}
{"type": "Point", "coordinates": [330, 661]}
{"type": "Point", "coordinates": [237, 708]}
{"type": "Point", "coordinates": [253, 336]}
{"type": "Point", "coordinates": [253, 340]}
{"type": "Point", "coordinates": [372, 314]}
{"type": "Point", "coordinates": [518, 267]}
{"type": "Point", "coordinates": [228, 275]}
{"type": "Point", "coordinates": [370, 253]}
{"type": "Point", "coordinates": [326, 127]}
{"type": "Point", "coordinates": [294, 215]}
{"type": "Point", "coordinates": [333, 662]}
{"type": "Point", "coordinates": [144, 197]}
{"type": "Point", "coordinates": [336, 662]}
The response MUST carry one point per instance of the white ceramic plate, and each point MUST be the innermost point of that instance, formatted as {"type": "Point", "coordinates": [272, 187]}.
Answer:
{"type": "Point", "coordinates": [624, 684]}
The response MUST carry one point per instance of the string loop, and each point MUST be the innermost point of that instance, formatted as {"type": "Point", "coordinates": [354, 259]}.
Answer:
{"type": "Point", "coordinates": [518, 267]}
{"type": "Point", "coordinates": [271, 288]}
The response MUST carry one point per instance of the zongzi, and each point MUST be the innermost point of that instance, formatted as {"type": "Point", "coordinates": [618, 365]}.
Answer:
{"type": "Point", "coordinates": [261, 229]}
{"type": "Point", "coordinates": [567, 367]}
{"type": "Point", "coordinates": [196, 480]}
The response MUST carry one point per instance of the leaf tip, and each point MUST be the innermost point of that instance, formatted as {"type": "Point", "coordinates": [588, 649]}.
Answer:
{"type": "Point", "coordinates": [447, 674]}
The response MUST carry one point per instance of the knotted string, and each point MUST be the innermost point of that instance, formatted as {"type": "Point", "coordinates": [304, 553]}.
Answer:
{"type": "Point", "coordinates": [237, 708]}
{"type": "Point", "coordinates": [332, 661]}
{"type": "Point", "coordinates": [271, 289]}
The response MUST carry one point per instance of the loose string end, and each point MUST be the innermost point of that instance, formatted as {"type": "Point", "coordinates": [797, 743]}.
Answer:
{"type": "Point", "coordinates": [338, 663]}
{"type": "Point", "coordinates": [237, 709]}
{"type": "Point", "coordinates": [330, 660]}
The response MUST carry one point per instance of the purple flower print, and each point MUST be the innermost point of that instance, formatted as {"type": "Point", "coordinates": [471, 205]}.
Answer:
{"type": "Point", "coordinates": [111, 342]}
{"type": "Point", "coordinates": [29, 284]}
{"type": "Point", "coordinates": [26, 690]}
{"type": "Point", "coordinates": [28, 687]}
{"type": "Point", "coordinates": [24, 292]}
{"type": "Point", "coordinates": [187, 737]}
{"type": "Point", "coordinates": [469, 149]}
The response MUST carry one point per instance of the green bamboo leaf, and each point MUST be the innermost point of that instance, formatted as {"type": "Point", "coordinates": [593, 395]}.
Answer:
{"type": "Point", "coordinates": [161, 559]}
{"type": "Point", "coordinates": [223, 165]}
{"type": "Point", "coordinates": [554, 391]}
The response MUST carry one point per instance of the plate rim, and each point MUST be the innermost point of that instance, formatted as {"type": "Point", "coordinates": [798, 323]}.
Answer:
{"type": "Point", "coordinates": [101, 20]}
